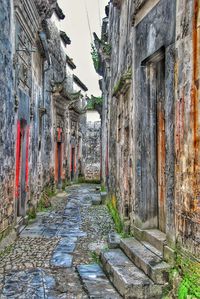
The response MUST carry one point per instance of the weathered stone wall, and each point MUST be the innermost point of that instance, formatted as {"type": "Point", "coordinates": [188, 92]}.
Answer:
{"type": "Point", "coordinates": [150, 37]}
{"type": "Point", "coordinates": [91, 149]}
{"type": "Point", "coordinates": [151, 122]}
{"type": "Point", "coordinates": [117, 126]}
{"type": "Point", "coordinates": [7, 132]}
{"type": "Point", "coordinates": [187, 120]}
{"type": "Point", "coordinates": [33, 93]}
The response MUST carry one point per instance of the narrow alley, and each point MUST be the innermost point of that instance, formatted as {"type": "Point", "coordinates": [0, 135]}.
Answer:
{"type": "Point", "coordinates": [99, 149]}
{"type": "Point", "coordinates": [51, 256]}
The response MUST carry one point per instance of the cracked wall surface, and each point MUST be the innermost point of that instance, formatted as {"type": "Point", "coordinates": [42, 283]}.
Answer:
{"type": "Point", "coordinates": [150, 125]}
{"type": "Point", "coordinates": [7, 135]}
{"type": "Point", "coordinates": [39, 110]}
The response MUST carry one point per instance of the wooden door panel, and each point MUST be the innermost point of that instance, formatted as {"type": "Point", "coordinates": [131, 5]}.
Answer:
{"type": "Point", "coordinates": [161, 167]}
{"type": "Point", "coordinates": [161, 151]}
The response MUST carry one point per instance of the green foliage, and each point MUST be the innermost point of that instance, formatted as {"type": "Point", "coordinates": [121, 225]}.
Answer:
{"type": "Point", "coordinates": [31, 213]}
{"type": "Point", "coordinates": [50, 191]}
{"type": "Point", "coordinates": [116, 217]}
{"type": "Point", "coordinates": [95, 57]}
{"type": "Point", "coordinates": [118, 86]}
{"type": "Point", "coordinates": [7, 250]}
{"type": "Point", "coordinates": [125, 235]}
{"type": "Point", "coordinates": [120, 83]}
{"type": "Point", "coordinates": [182, 291]}
{"type": "Point", "coordinates": [65, 184]}
{"type": "Point", "coordinates": [107, 49]}
{"type": "Point", "coordinates": [81, 180]}
{"type": "Point", "coordinates": [103, 188]}
{"type": "Point", "coordinates": [44, 203]}
{"type": "Point", "coordinates": [93, 101]}
{"type": "Point", "coordinates": [190, 272]}
{"type": "Point", "coordinates": [95, 257]}
{"type": "Point", "coordinates": [105, 248]}
{"type": "Point", "coordinates": [94, 181]}
{"type": "Point", "coordinates": [5, 233]}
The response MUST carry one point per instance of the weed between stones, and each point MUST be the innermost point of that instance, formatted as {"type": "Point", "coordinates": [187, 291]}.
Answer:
{"type": "Point", "coordinates": [116, 217]}
{"type": "Point", "coordinates": [95, 257]}
{"type": "Point", "coordinates": [184, 279]}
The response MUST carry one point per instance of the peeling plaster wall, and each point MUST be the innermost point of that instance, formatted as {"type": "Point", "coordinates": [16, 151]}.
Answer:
{"type": "Point", "coordinates": [187, 121]}
{"type": "Point", "coordinates": [7, 133]}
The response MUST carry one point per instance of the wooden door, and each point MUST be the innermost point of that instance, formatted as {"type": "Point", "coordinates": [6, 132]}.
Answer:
{"type": "Point", "coordinates": [59, 155]}
{"type": "Point", "coordinates": [161, 151]}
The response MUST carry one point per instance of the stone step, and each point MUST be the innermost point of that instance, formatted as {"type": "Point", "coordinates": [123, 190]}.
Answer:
{"type": "Point", "coordinates": [146, 260]}
{"type": "Point", "coordinates": [156, 238]}
{"type": "Point", "coordinates": [96, 283]}
{"type": "Point", "coordinates": [129, 280]}
{"type": "Point", "coordinates": [19, 227]}
{"type": "Point", "coordinates": [152, 249]}
{"type": "Point", "coordinates": [113, 240]}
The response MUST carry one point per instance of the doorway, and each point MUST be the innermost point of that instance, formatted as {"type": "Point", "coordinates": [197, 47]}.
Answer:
{"type": "Point", "coordinates": [155, 151]}
{"type": "Point", "coordinates": [22, 161]}
{"type": "Point", "coordinates": [59, 153]}
{"type": "Point", "coordinates": [161, 151]}
{"type": "Point", "coordinates": [72, 163]}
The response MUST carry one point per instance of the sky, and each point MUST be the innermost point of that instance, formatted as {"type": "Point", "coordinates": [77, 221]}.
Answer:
{"type": "Point", "coordinates": [76, 26]}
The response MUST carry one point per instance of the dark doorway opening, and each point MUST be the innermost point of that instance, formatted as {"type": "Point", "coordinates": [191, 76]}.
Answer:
{"type": "Point", "coordinates": [21, 202]}
{"type": "Point", "coordinates": [73, 164]}
{"type": "Point", "coordinates": [155, 141]}
{"type": "Point", "coordinates": [59, 155]}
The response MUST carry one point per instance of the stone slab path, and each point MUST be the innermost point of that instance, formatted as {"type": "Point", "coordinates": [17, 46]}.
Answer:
{"type": "Point", "coordinates": [57, 249]}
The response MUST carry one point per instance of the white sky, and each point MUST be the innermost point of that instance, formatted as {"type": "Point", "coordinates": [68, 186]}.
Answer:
{"type": "Point", "coordinates": [76, 26]}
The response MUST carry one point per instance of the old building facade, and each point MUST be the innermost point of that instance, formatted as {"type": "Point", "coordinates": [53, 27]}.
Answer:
{"type": "Point", "coordinates": [41, 105]}
{"type": "Point", "coordinates": [148, 56]}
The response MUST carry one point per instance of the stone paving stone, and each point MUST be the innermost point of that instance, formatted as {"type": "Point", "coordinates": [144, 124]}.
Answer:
{"type": "Point", "coordinates": [66, 245]}
{"type": "Point", "coordinates": [71, 233]}
{"type": "Point", "coordinates": [96, 282]}
{"type": "Point", "coordinates": [33, 283]}
{"type": "Point", "coordinates": [60, 259]}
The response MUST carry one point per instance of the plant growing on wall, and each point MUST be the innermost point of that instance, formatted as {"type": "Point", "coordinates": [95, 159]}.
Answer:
{"type": "Point", "coordinates": [93, 102]}
{"type": "Point", "coordinates": [95, 57]}
{"type": "Point", "coordinates": [107, 49]}
{"type": "Point", "coordinates": [122, 81]}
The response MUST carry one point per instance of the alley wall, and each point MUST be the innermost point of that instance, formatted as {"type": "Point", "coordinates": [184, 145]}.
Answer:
{"type": "Point", "coordinates": [40, 107]}
{"type": "Point", "coordinates": [149, 63]}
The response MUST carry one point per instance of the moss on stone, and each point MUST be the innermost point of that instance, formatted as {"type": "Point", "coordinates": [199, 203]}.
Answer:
{"type": "Point", "coordinates": [7, 250]}
{"type": "Point", "coordinates": [6, 232]}
{"type": "Point", "coordinates": [120, 83]}
{"type": "Point", "coordinates": [31, 213]}
{"type": "Point", "coordinates": [107, 48]}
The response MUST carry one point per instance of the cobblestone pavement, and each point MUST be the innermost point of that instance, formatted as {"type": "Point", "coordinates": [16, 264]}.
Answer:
{"type": "Point", "coordinates": [43, 261]}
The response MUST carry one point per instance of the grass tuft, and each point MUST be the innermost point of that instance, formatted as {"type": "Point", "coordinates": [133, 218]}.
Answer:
{"type": "Point", "coordinates": [115, 216]}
